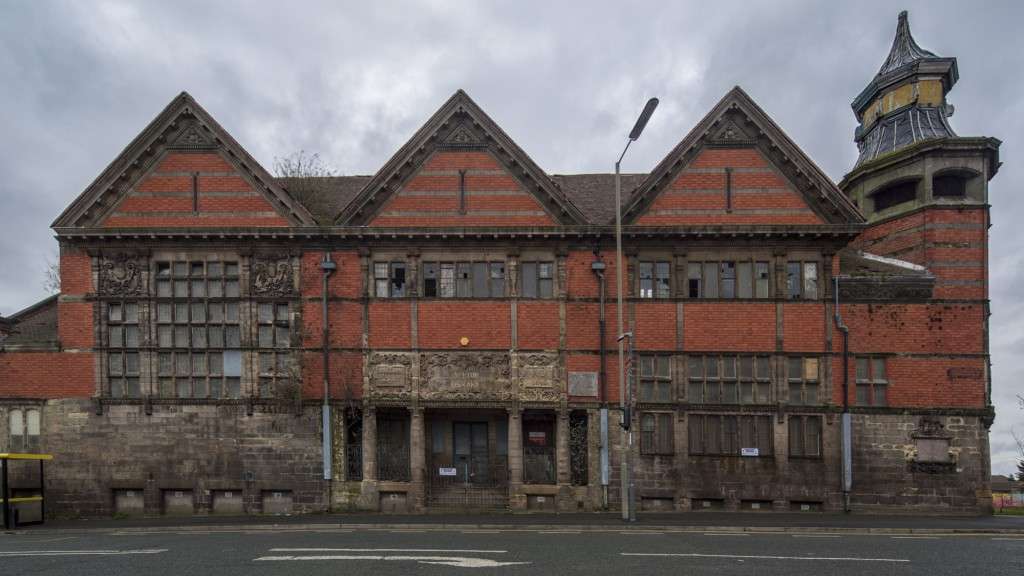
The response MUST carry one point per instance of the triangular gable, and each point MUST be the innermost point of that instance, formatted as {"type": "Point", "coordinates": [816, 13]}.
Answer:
{"type": "Point", "coordinates": [738, 167]}
{"type": "Point", "coordinates": [184, 170]}
{"type": "Point", "coordinates": [460, 169]}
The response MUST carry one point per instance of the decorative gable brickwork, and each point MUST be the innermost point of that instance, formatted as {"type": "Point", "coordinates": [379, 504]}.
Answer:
{"type": "Point", "coordinates": [184, 171]}
{"type": "Point", "coordinates": [460, 169]}
{"type": "Point", "coordinates": [738, 167]}
{"type": "Point", "coordinates": [463, 188]}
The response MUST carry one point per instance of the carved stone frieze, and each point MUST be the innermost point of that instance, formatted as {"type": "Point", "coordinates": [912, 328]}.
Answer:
{"type": "Point", "coordinates": [193, 137]}
{"type": "Point", "coordinates": [933, 467]}
{"type": "Point", "coordinates": [121, 275]}
{"type": "Point", "coordinates": [465, 376]}
{"type": "Point", "coordinates": [538, 378]}
{"type": "Point", "coordinates": [731, 134]}
{"type": "Point", "coordinates": [273, 276]}
{"type": "Point", "coordinates": [930, 427]}
{"type": "Point", "coordinates": [390, 377]}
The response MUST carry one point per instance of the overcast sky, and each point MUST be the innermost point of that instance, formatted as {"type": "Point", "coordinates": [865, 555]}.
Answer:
{"type": "Point", "coordinates": [354, 80]}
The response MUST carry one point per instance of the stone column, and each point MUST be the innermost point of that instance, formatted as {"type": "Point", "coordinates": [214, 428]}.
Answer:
{"type": "Point", "coordinates": [417, 458]}
{"type": "Point", "coordinates": [369, 444]}
{"type": "Point", "coordinates": [369, 497]}
{"type": "Point", "coordinates": [563, 476]}
{"type": "Point", "coordinates": [516, 500]}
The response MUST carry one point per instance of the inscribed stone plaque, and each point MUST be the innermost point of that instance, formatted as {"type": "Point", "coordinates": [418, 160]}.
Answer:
{"type": "Point", "coordinates": [583, 384]}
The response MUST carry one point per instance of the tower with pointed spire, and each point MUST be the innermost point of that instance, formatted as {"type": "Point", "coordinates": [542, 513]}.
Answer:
{"type": "Point", "coordinates": [914, 171]}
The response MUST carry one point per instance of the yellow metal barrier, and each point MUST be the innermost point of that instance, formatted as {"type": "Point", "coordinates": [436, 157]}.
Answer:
{"type": "Point", "coordinates": [5, 496]}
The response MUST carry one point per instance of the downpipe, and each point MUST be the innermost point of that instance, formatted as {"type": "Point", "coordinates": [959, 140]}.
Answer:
{"type": "Point", "coordinates": [327, 267]}
{"type": "Point", "coordinates": [598, 267]}
{"type": "Point", "coordinates": [847, 428]}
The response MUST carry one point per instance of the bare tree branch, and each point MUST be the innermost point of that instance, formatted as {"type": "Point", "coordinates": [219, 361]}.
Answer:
{"type": "Point", "coordinates": [302, 169]}
{"type": "Point", "coordinates": [1020, 454]}
{"type": "Point", "coordinates": [51, 275]}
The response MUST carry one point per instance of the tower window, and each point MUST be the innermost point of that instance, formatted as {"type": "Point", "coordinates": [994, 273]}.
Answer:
{"type": "Point", "coordinates": [949, 186]}
{"type": "Point", "coordinates": [895, 194]}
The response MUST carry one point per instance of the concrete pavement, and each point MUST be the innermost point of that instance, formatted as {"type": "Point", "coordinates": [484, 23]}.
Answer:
{"type": "Point", "coordinates": [692, 521]}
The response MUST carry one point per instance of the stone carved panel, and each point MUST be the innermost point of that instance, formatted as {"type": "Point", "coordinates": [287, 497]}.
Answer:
{"type": "Point", "coordinates": [389, 376]}
{"type": "Point", "coordinates": [121, 275]}
{"type": "Point", "coordinates": [930, 427]}
{"type": "Point", "coordinates": [465, 376]}
{"type": "Point", "coordinates": [538, 378]}
{"type": "Point", "coordinates": [273, 276]}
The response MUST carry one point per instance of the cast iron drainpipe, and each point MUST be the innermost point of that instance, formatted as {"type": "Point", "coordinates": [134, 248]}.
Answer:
{"type": "Point", "coordinates": [327, 267]}
{"type": "Point", "coordinates": [846, 425]}
{"type": "Point", "coordinates": [598, 267]}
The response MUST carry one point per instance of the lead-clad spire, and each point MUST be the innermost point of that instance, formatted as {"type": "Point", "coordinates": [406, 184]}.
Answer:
{"type": "Point", "coordinates": [904, 49]}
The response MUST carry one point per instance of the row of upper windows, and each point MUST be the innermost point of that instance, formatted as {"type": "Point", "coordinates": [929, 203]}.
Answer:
{"type": "Point", "coordinates": [739, 379]}
{"type": "Point", "coordinates": [198, 323]}
{"type": "Point", "coordinates": [728, 279]}
{"type": "Point", "coordinates": [463, 279]}
{"type": "Point", "coordinates": [719, 279]}
{"type": "Point", "coordinates": [198, 374]}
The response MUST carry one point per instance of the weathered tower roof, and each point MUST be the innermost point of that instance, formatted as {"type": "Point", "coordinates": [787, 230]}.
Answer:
{"type": "Point", "coordinates": [905, 102]}
{"type": "Point", "coordinates": [904, 49]}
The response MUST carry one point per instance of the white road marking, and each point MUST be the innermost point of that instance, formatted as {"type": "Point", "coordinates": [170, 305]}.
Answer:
{"type": "Point", "coordinates": [456, 561]}
{"type": "Point", "coordinates": [735, 556]}
{"type": "Point", "coordinates": [420, 550]}
{"type": "Point", "coordinates": [725, 534]}
{"type": "Point", "coordinates": [815, 535]}
{"type": "Point", "coordinates": [80, 552]}
{"type": "Point", "coordinates": [1010, 539]}
{"type": "Point", "coordinates": [915, 537]}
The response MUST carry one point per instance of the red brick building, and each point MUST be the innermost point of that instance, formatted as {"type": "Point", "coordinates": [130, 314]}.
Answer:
{"type": "Point", "coordinates": [451, 307]}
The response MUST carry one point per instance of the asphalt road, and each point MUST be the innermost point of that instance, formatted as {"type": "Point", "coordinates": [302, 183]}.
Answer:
{"type": "Point", "coordinates": [555, 550]}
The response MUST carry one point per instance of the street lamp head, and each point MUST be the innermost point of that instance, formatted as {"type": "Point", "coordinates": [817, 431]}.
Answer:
{"type": "Point", "coordinates": [644, 117]}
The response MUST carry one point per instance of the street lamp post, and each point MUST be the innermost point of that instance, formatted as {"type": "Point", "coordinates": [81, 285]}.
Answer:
{"type": "Point", "coordinates": [628, 492]}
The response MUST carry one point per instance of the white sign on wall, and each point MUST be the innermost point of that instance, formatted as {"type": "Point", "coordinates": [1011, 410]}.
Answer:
{"type": "Point", "coordinates": [446, 472]}
{"type": "Point", "coordinates": [749, 452]}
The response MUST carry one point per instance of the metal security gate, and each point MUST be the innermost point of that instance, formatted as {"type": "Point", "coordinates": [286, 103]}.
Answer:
{"type": "Point", "coordinates": [393, 448]}
{"type": "Point", "coordinates": [464, 473]}
{"type": "Point", "coordinates": [538, 451]}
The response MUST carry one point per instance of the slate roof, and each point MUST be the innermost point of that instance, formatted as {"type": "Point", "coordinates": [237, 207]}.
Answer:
{"type": "Point", "coordinates": [856, 263]}
{"type": "Point", "coordinates": [594, 194]}
{"type": "Point", "coordinates": [34, 326]}
{"type": "Point", "coordinates": [324, 196]}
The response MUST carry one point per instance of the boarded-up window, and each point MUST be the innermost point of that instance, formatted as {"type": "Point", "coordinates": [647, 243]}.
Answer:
{"type": "Point", "coordinates": [656, 433]}
{"type": "Point", "coordinates": [805, 436]}
{"type": "Point", "coordinates": [729, 435]}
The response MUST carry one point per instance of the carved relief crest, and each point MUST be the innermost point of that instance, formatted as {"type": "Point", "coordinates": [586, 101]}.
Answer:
{"type": "Point", "coordinates": [469, 376]}
{"type": "Point", "coordinates": [462, 136]}
{"type": "Point", "coordinates": [389, 376]}
{"type": "Point", "coordinates": [121, 275]}
{"type": "Point", "coordinates": [273, 276]}
{"type": "Point", "coordinates": [730, 134]}
{"type": "Point", "coordinates": [538, 378]}
{"type": "Point", "coordinates": [193, 138]}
